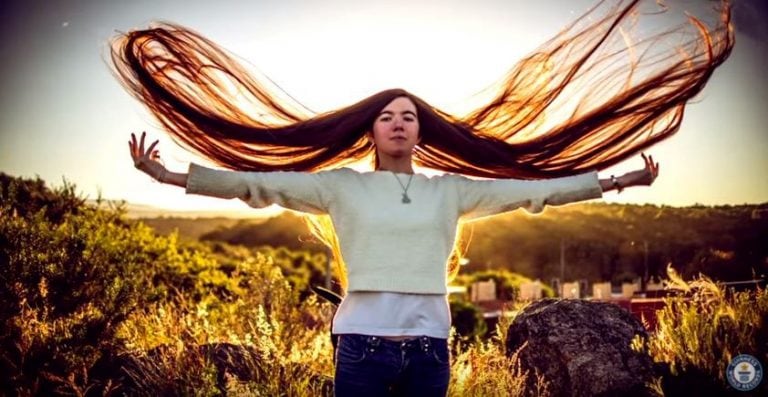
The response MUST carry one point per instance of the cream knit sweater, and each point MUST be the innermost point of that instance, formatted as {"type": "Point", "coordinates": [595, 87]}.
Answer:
{"type": "Point", "coordinates": [388, 245]}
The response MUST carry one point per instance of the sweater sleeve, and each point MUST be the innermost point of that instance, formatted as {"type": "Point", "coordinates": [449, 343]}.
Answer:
{"type": "Point", "coordinates": [479, 198]}
{"type": "Point", "coordinates": [300, 191]}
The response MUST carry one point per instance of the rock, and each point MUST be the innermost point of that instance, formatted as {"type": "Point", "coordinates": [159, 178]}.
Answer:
{"type": "Point", "coordinates": [581, 348]}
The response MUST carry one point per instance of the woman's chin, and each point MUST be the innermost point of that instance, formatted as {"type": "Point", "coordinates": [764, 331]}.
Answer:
{"type": "Point", "coordinates": [398, 152]}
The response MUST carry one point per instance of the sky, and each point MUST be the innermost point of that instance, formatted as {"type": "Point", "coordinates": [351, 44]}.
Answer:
{"type": "Point", "coordinates": [63, 115]}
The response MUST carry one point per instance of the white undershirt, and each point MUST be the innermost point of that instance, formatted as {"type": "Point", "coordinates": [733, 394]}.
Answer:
{"type": "Point", "coordinates": [393, 314]}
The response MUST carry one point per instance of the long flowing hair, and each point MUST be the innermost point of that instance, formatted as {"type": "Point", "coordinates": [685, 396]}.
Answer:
{"type": "Point", "coordinates": [592, 96]}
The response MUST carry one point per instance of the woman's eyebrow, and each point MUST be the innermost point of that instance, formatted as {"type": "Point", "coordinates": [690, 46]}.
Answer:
{"type": "Point", "coordinates": [391, 113]}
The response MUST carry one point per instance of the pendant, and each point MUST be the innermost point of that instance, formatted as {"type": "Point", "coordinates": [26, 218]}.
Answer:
{"type": "Point", "coordinates": [406, 199]}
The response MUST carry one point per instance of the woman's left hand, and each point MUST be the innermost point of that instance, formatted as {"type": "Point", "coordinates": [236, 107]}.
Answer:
{"type": "Point", "coordinates": [645, 177]}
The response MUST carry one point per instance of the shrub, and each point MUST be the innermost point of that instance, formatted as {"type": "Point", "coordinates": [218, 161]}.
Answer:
{"type": "Point", "coordinates": [83, 288]}
{"type": "Point", "coordinates": [703, 328]}
{"type": "Point", "coordinates": [27, 197]}
{"type": "Point", "coordinates": [72, 274]}
{"type": "Point", "coordinates": [301, 267]}
{"type": "Point", "coordinates": [467, 318]}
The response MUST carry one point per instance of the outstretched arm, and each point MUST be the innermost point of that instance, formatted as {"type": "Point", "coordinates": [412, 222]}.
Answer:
{"type": "Point", "coordinates": [147, 162]}
{"type": "Point", "coordinates": [643, 177]}
{"type": "Point", "coordinates": [479, 198]}
{"type": "Point", "coordinates": [301, 191]}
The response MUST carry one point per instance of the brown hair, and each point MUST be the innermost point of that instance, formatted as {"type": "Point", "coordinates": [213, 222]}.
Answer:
{"type": "Point", "coordinates": [584, 100]}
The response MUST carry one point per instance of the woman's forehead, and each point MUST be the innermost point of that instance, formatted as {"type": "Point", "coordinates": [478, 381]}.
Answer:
{"type": "Point", "coordinates": [400, 105]}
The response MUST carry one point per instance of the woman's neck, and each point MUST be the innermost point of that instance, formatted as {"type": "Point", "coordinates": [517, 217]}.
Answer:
{"type": "Point", "coordinates": [404, 165]}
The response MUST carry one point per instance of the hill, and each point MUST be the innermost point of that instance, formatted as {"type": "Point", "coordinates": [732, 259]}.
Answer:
{"type": "Point", "coordinates": [596, 241]}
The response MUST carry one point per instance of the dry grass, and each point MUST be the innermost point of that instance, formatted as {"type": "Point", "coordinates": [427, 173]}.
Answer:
{"type": "Point", "coordinates": [704, 327]}
{"type": "Point", "coordinates": [482, 368]}
{"type": "Point", "coordinates": [701, 330]}
{"type": "Point", "coordinates": [291, 359]}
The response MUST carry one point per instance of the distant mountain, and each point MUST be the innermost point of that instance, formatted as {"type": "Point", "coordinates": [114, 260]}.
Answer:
{"type": "Point", "coordinates": [148, 211]}
{"type": "Point", "coordinates": [590, 241]}
{"type": "Point", "coordinates": [190, 228]}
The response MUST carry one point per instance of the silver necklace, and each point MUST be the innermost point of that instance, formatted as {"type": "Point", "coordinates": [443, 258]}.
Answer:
{"type": "Point", "coordinates": [405, 199]}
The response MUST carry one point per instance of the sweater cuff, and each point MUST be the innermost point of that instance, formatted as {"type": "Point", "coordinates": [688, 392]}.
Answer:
{"type": "Point", "coordinates": [579, 187]}
{"type": "Point", "coordinates": [211, 182]}
{"type": "Point", "coordinates": [588, 188]}
{"type": "Point", "coordinates": [195, 175]}
{"type": "Point", "coordinates": [595, 191]}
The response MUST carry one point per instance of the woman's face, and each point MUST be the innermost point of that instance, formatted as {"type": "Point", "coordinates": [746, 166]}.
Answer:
{"type": "Point", "coordinates": [396, 128]}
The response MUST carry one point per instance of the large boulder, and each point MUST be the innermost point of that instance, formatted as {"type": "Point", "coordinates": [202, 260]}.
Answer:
{"type": "Point", "coordinates": [581, 348]}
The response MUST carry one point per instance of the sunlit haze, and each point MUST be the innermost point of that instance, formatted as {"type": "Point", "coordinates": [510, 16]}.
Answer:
{"type": "Point", "coordinates": [64, 115]}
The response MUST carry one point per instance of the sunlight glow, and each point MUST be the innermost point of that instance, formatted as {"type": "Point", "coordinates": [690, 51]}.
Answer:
{"type": "Point", "coordinates": [325, 67]}
{"type": "Point", "coordinates": [66, 117]}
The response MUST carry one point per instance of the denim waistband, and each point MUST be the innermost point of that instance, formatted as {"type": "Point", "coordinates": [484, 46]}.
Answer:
{"type": "Point", "coordinates": [423, 342]}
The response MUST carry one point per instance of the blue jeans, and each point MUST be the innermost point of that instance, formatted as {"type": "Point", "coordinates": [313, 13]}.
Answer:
{"type": "Point", "coordinates": [373, 366]}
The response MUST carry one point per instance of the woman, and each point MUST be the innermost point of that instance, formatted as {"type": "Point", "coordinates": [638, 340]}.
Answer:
{"type": "Point", "coordinates": [396, 229]}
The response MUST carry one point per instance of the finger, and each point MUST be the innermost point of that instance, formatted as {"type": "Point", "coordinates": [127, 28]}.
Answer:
{"type": "Point", "coordinates": [645, 159]}
{"type": "Point", "coordinates": [141, 146]}
{"type": "Point", "coordinates": [152, 146]}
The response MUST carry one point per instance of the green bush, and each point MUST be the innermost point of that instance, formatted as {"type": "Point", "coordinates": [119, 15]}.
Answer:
{"type": "Point", "coordinates": [82, 286]}
{"type": "Point", "coordinates": [27, 197]}
{"type": "Point", "coordinates": [300, 267]}
{"type": "Point", "coordinates": [71, 275]}
{"type": "Point", "coordinates": [467, 319]}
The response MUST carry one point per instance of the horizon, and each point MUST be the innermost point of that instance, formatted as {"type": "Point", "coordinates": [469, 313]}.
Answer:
{"type": "Point", "coordinates": [134, 210]}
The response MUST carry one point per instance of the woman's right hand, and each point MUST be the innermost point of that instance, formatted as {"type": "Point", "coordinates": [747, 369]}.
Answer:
{"type": "Point", "coordinates": [146, 161]}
